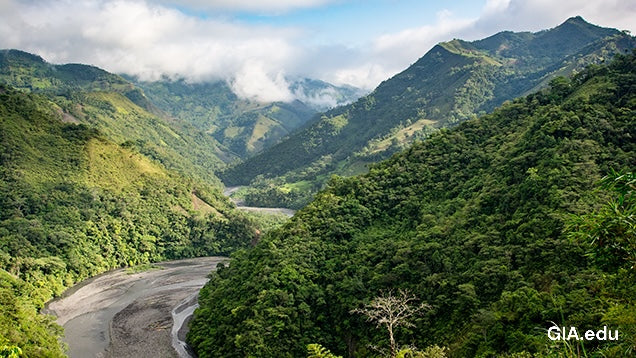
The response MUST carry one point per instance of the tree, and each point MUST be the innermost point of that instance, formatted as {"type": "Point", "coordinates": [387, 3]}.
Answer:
{"type": "Point", "coordinates": [318, 351]}
{"type": "Point", "coordinates": [392, 311]}
{"type": "Point", "coordinates": [611, 232]}
{"type": "Point", "coordinates": [10, 352]}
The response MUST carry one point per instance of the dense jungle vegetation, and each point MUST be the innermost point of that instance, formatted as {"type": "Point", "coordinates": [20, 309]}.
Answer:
{"type": "Point", "coordinates": [74, 204]}
{"type": "Point", "coordinates": [453, 82]}
{"type": "Point", "coordinates": [505, 225]}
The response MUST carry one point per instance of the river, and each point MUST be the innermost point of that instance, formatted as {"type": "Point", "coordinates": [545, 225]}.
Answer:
{"type": "Point", "coordinates": [142, 314]}
{"type": "Point", "coordinates": [239, 204]}
{"type": "Point", "coordinates": [123, 314]}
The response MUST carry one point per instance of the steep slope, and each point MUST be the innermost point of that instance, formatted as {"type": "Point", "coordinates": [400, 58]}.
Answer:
{"type": "Point", "coordinates": [89, 95]}
{"type": "Point", "coordinates": [475, 222]}
{"type": "Point", "coordinates": [74, 204]}
{"type": "Point", "coordinates": [244, 126]}
{"type": "Point", "coordinates": [453, 82]}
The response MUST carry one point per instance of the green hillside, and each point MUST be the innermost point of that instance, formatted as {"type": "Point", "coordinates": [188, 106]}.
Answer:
{"type": "Point", "coordinates": [453, 82]}
{"type": "Point", "coordinates": [245, 127]}
{"type": "Point", "coordinates": [89, 95]}
{"type": "Point", "coordinates": [73, 204]}
{"type": "Point", "coordinates": [499, 225]}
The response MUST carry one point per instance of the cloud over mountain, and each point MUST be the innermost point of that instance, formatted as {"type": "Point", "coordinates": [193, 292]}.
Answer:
{"type": "Point", "coordinates": [201, 40]}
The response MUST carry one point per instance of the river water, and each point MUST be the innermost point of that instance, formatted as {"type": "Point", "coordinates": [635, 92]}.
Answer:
{"type": "Point", "coordinates": [122, 314]}
{"type": "Point", "coordinates": [239, 204]}
{"type": "Point", "coordinates": [144, 314]}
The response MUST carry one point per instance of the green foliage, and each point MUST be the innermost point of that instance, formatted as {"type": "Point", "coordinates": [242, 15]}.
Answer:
{"type": "Point", "coordinates": [474, 221]}
{"type": "Point", "coordinates": [10, 352]}
{"type": "Point", "coordinates": [318, 351]}
{"type": "Point", "coordinates": [429, 352]}
{"type": "Point", "coordinates": [609, 236]}
{"type": "Point", "coordinates": [22, 329]}
{"type": "Point", "coordinates": [611, 232]}
{"type": "Point", "coordinates": [266, 221]}
{"type": "Point", "coordinates": [453, 82]}
{"type": "Point", "coordinates": [122, 114]}
{"type": "Point", "coordinates": [269, 194]}
{"type": "Point", "coordinates": [73, 204]}
{"type": "Point", "coordinates": [142, 268]}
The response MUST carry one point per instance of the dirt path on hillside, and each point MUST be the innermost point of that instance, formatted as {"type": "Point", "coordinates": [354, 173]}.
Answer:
{"type": "Point", "coordinates": [118, 314]}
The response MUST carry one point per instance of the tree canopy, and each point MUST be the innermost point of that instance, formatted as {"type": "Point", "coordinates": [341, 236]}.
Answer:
{"type": "Point", "coordinates": [476, 221]}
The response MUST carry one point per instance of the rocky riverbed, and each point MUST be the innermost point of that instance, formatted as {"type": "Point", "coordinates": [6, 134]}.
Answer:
{"type": "Point", "coordinates": [123, 314]}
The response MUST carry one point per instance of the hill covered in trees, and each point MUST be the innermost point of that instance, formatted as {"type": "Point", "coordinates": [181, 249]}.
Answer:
{"type": "Point", "coordinates": [453, 82]}
{"type": "Point", "coordinates": [91, 96]}
{"type": "Point", "coordinates": [73, 204]}
{"type": "Point", "coordinates": [245, 127]}
{"type": "Point", "coordinates": [500, 225]}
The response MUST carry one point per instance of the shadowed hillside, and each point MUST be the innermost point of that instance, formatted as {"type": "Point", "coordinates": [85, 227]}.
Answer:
{"type": "Point", "coordinates": [499, 224]}
{"type": "Point", "coordinates": [453, 82]}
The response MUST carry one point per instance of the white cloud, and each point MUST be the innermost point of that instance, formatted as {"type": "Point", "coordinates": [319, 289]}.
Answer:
{"type": "Point", "coordinates": [392, 53]}
{"type": "Point", "coordinates": [252, 81]}
{"type": "Point", "coordinates": [409, 45]}
{"type": "Point", "coordinates": [525, 15]}
{"type": "Point", "coordinates": [151, 38]}
{"type": "Point", "coordinates": [366, 75]}
{"type": "Point", "coordinates": [324, 99]}
{"type": "Point", "coordinates": [140, 38]}
{"type": "Point", "coordinates": [266, 6]}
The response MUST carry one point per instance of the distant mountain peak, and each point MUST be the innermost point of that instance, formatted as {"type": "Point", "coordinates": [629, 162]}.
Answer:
{"type": "Point", "coordinates": [322, 95]}
{"type": "Point", "coordinates": [455, 81]}
{"type": "Point", "coordinates": [12, 54]}
{"type": "Point", "coordinates": [578, 23]}
{"type": "Point", "coordinates": [577, 19]}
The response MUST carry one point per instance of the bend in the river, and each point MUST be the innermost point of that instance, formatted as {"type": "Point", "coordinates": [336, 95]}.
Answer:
{"type": "Point", "coordinates": [118, 314]}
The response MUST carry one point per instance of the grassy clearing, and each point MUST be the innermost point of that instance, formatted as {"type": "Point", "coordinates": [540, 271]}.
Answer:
{"type": "Point", "coordinates": [401, 135]}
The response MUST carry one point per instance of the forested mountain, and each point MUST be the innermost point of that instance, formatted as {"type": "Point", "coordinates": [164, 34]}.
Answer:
{"type": "Point", "coordinates": [244, 126]}
{"type": "Point", "coordinates": [89, 95]}
{"type": "Point", "coordinates": [499, 225]}
{"type": "Point", "coordinates": [74, 204]}
{"type": "Point", "coordinates": [192, 127]}
{"type": "Point", "coordinates": [453, 82]}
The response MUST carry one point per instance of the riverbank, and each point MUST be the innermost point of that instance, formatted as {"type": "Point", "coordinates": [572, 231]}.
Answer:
{"type": "Point", "coordinates": [122, 314]}
{"type": "Point", "coordinates": [240, 204]}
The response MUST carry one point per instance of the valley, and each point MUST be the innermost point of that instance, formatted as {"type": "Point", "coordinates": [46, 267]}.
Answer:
{"type": "Point", "coordinates": [489, 186]}
{"type": "Point", "coordinates": [240, 204]}
{"type": "Point", "coordinates": [243, 127]}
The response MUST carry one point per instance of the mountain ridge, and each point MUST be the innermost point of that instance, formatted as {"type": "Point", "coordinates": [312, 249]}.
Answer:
{"type": "Point", "coordinates": [92, 96]}
{"type": "Point", "coordinates": [452, 82]}
{"type": "Point", "coordinates": [497, 225]}
{"type": "Point", "coordinates": [244, 126]}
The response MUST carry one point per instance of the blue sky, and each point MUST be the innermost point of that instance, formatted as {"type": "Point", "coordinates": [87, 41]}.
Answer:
{"type": "Point", "coordinates": [258, 46]}
{"type": "Point", "coordinates": [356, 22]}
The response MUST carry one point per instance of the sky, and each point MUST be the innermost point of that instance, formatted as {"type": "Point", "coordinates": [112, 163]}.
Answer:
{"type": "Point", "coordinates": [259, 46]}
